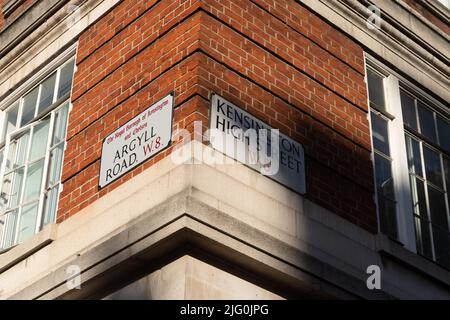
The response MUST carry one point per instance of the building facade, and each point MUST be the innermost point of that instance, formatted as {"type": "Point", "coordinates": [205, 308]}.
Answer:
{"type": "Point", "coordinates": [114, 187]}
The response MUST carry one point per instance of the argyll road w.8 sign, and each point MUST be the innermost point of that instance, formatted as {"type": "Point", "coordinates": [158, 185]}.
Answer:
{"type": "Point", "coordinates": [138, 140]}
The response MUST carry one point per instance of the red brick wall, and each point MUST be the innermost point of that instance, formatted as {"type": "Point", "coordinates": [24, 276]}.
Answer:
{"type": "Point", "coordinates": [276, 59]}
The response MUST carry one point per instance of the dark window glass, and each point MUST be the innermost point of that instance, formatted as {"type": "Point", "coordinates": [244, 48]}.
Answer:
{"type": "Point", "coordinates": [423, 237]}
{"type": "Point", "coordinates": [65, 82]}
{"type": "Point", "coordinates": [380, 134]}
{"type": "Point", "coordinates": [47, 93]}
{"type": "Point", "coordinates": [427, 127]}
{"type": "Point", "coordinates": [433, 166]}
{"type": "Point", "coordinates": [438, 210]}
{"type": "Point", "coordinates": [29, 106]}
{"type": "Point", "coordinates": [441, 239]}
{"type": "Point", "coordinates": [419, 199]}
{"type": "Point", "coordinates": [384, 181]}
{"type": "Point", "coordinates": [388, 217]}
{"type": "Point", "coordinates": [409, 110]}
{"type": "Point", "coordinates": [447, 175]}
{"type": "Point", "coordinates": [414, 158]}
{"type": "Point", "coordinates": [444, 133]}
{"type": "Point", "coordinates": [376, 89]}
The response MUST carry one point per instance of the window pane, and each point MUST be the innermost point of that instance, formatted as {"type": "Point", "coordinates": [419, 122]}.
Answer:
{"type": "Point", "coordinates": [384, 181]}
{"type": "Point", "coordinates": [427, 127]}
{"type": "Point", "coordinates": [16, 188]}
{"type": "Point", "coordinates": [29, 106]}
{"type": "Point", "coordinates": [414, 159]}
{"type": "Point", "coordinates": [433, 166]}
{"type": "Point", "coordinates": [409, 110]}
{"type": "Point", "coordinates": [2, 227]}
{"type": "Point", "coordinates": [423, 238]}
{"type": "Point", "coordinates": [388, 218]}
{"type": "Point", "coordinates": [56, 156]}
{"type": "Point", "coordinates": [51, 201]}
{"type": "Point", "coordinates": [65, 82]}
{"type": "Point", "coordinates": [447, 175]}
{"type": "Point", "coordinates": [1, 156]}
{"type": "Point", "coordinates": [380, 134]}
{"type": "Point", "coordinates": [376, 89]}
{"type": "Point", "coordinates": [442, 246]}
{"type": "Point", "coordinates": [47, 93]}
{"type": "Point", "coordinates": [438, 210]}
{"type": "Point", "coordinates": [40, 139]}
{"type": "Point", "coordinates": [11, 222]}
{"type": "Point", "coordinates": [418, 197]}
{"type": "Point", "coordinates": [28, 222]}
{"type": "Point", "coordinates": [10, 121]}
{"type": "Point", "coordinates": [22, 150]}
{"type": "Point", "coordinates": [59, 133]}
{"type": "Point", "coordinates": [444, 133]}
{"type": "Point", "coordinates": [33, 182]}
{"type": "Point", "coordinates": [6, 187]}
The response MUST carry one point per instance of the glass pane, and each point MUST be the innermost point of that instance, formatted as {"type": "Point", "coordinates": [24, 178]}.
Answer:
{"type": "Point", "coordinates": [423, 238]}
{"type": "Point", "coordinates": [11, 155]}
{"type": "Point", "coordinates": [22, 150]}
{"type": "Point", "coordinates": [17, 188]}
{"type": "Point", "coordinates": [10, 121]}
{"type": "Point", "coordinates": [65, 82]}
{"type": "Point", "coordinates": [444, 133]}
{"type": "Point", "coordinates": [47, 93]}
{"type": "Point", "coordinates": [33, 182]}
{"type": "Point", "coordinates": [427, 127]}
{"type": "Point", "coordinates": [388, 218]}
{"type": "Point", "coordinates": [28, 222]}
{"type": "Point", "coordinates": [414, 159]}
{"type": "Point", "coordinates": [380, 134]}
{"type": "Point", "coordinates": [409, 110]}
{"type": "Point", "coordinates": [433, 166]}
{"type": "Point", "coordinates": [447, 175]}
{"type": "Point", "coordinates": [442, 246]}
{"type": "Point", "coordinates": [6, 189]}
{"type": "Point", "coordinates": [376, 89]}
{"type": "Point", "coordinates": [384, 181]}
{"type": "Point", "coordinates": [29, 107]}
{"type": "Point", "coordinates": [11, 222]}
{"type": "Point", "coordinates": [40, 139]}
{"type": "Point", "coordinates": [56, 156]}
{"type": "Point", "coordinates": [418, 197]}
{"type": "Point", "coordinates": [59, 133]}
{"type": "Point", "coordinates": [438, 210]}
{"type": "Point", "coordinates": [51, 203]}
{"type": "Point", "coordinates": [2, 228]}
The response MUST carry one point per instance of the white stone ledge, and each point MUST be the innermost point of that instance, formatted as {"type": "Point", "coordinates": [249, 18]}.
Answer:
{"type": "Point", "coordinates": [15, 255]}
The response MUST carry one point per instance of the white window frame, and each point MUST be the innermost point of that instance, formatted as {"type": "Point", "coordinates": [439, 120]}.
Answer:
{"type": "Point", "coordinates": [55, 66]}
{"type": "Point", "coordinates": [400, 169]}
